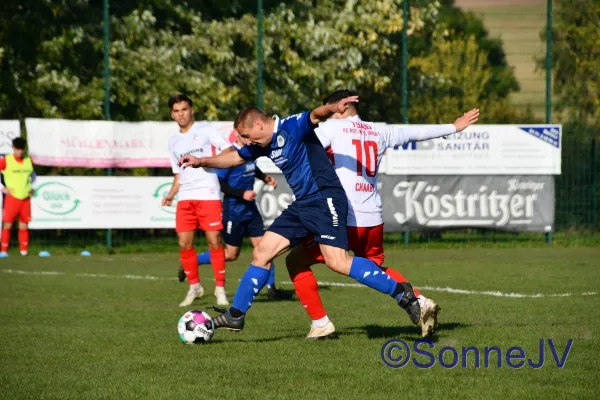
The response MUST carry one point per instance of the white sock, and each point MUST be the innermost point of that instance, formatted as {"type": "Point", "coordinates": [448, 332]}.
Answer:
{"type": "Point", "coordinates": [320, 323]}
{"type": "Point", "coordinates": [195, 286]}
{"type": "Point", "coordinates": [219, 289]}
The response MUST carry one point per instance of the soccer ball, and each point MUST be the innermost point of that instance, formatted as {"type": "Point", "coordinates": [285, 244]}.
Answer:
{"type": "Point", "coordinates": [195, 327]}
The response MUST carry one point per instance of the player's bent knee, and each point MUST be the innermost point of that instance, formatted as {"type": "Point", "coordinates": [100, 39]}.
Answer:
{"type": "Point", "coordinates": [231, 256]}
{"type": "Point", "coordinates": [183, 245]}
{"type": "Point", "coordinates": [337, 260]}
{"type": "Point", "coordinates": [261, 258]}
{"type": "Point", "coordinates": [214, 241]}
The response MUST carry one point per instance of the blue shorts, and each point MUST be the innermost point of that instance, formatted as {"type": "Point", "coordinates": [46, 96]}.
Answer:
{"type": "Point", "coordinates": [324, 217]}
{"type": "Point", "coordinates": [234, 230]}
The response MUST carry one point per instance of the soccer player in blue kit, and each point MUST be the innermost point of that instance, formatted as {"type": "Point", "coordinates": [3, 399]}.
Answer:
{"type": "Point", "coordinates": [240, 215]}
{"type": "Point", "coordinates": [320, 207]}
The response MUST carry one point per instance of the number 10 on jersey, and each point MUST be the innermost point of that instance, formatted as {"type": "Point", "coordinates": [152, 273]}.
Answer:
{"type": "Point", "coordinates": [369, 149]}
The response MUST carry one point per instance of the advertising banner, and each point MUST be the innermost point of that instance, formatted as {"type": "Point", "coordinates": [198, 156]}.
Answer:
{"type": "Point", "coordinates": [502, 203]}
{"type": "Point", "coordinates": [483, 150]}
{"type": "Point", "coordinates": [105, 144]}
{"type": "Point", "coordinates": [418, 203]}
{"type": "Point", "coordinates": [101, 202]}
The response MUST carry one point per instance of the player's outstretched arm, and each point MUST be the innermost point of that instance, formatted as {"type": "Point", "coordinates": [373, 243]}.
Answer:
{"type": "Point", "coordinates": [229, 158]}
{"type": "Point", "coordinates": [401, 135]}
{"type": "Point", "coordinates": [322, 113]}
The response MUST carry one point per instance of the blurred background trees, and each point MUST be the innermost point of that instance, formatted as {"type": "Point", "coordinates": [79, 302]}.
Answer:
{"type": "Point", "coordinates": [52, 59]}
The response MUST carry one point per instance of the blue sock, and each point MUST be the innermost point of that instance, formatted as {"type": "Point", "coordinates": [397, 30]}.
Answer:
{"type": "Point", "coordinates": [204, 258]}
{"type": "Point", "coordinates": [252, 282]}
{"type": "Point", "coordinates": [271, 281]}
{"type": "Point", "coordinates": [369, 274]}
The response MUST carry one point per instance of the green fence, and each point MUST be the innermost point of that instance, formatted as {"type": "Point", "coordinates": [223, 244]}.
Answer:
{"type": "Point", "coordinates": [577, 189]}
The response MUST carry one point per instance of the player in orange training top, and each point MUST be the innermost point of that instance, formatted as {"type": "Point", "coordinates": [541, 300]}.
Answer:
{"type": "Point", "coordinates": [19, 177]}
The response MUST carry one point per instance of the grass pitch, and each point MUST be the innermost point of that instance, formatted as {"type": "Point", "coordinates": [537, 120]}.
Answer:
{"type": "Point", "coordinates": [74, 327]}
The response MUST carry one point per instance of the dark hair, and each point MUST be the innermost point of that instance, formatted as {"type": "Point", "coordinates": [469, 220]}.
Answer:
{"type": "Point", "coordinates": [249, 115]}
{"type": "Point", "coordinates": [178, 98]}
{"type": "Point", "coordinates": [339, 95]}
{"type": "Point", "coordinates": [19, 143]}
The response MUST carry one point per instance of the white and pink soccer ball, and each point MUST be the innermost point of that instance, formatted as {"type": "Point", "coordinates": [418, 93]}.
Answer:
{"type": "Point", "coordinates": [195, 327]}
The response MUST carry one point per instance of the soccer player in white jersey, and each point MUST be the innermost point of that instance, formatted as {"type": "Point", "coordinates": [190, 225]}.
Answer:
{"type": "Point", "coordinates": [356, 148]}
{"type": "Point", "coordinates": [199, 201]}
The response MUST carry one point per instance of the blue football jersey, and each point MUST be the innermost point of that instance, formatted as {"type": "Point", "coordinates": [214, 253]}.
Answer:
{"type": "Point", "coordinates": [299, 154]}
{"type": "Point", "coordinates": [241, 177]}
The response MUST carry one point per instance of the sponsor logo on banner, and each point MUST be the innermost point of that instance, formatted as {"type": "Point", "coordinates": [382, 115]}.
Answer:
{"type": "Point", "coordinates": [106, 144]}
{"type": "Point", "coordinates": [56, 200]}
{"type": "Point", "coordinates": [160, 193]}
{"type": "Point", "coordinates": [549, 135]}
{"type": "Point", "coordinates": [426, 204]}
{"type": "Point", "coordinates": [86, 202]}
{"type": "Point", "coordinates": [166, 214]}
{"type": "Point", "coordinates": [465, 141]}
{"type": "Point", "coordinates": [482, 150]}
{"type": "Point", "coordinates": [271, 202]}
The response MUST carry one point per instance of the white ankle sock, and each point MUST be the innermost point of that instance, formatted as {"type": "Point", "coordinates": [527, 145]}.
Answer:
{"type": "Point", "coordinates": [320, 323]}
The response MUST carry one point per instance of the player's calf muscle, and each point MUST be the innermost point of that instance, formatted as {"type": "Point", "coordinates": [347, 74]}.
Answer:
{"type": "Point", "coordinates": [298, 260]}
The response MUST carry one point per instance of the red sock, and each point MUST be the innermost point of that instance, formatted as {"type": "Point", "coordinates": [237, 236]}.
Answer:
{"type": "Point", "coordinates": [307, 291]}
{"type": "Point", "coordinates": [217, 260]}
{"type": "Point", "coordinates": [397, 276]}
{"type": "Point", "coordinates": [24, 239]}
{"type": "Point", "coordinates": [5, 239]}
{"type": "Point", "coordinates": [189, 262]}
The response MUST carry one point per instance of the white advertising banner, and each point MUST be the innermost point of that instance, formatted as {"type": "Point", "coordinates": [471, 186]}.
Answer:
{"type": "Point", "coordinates": [101, 202]}
{"type": "Point", "coordinates": [104, 144]}
{"type": "Point", "coordinates": [9, 129]}
{"type": "Point", "coordinates": [483, 150]}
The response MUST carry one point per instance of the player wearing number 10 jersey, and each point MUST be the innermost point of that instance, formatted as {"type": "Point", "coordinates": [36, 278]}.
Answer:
{"type": "Point", "coordinates": [356, 148]}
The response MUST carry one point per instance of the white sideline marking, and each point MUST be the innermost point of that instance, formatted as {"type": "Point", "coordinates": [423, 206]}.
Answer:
{"type": "Point", "coordinates": [145, 277]}
{"type": "Point", "coordinates": [462, 291]}
{"type": "Point", "coordinates": [14, 271]}
{"type": "Point", "coordinates": [85, 275]}
{"type": "Point", "coordinates": [339, 284]}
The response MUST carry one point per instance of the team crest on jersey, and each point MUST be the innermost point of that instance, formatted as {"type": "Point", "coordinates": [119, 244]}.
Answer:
{"type": "Point", "coordinates": [280, 141]}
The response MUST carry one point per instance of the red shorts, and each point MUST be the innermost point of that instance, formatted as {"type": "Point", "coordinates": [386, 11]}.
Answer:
{"type": "Point", "coordinates": [14, 207]}
{"type": "Point", "coordinates": [206, 215]}
{"type": "Point", "coordinates": [363, 242]}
